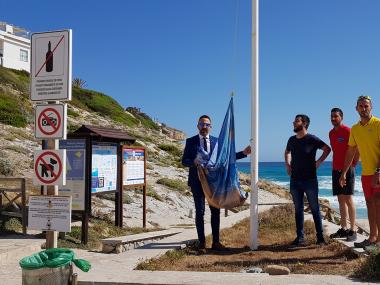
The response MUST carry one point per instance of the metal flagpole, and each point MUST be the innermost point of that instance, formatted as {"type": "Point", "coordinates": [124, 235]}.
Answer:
{"type": "Point", "coordinates": [254, 125]}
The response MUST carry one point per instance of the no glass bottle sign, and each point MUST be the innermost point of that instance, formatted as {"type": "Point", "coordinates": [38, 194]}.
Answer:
{"type": "Point", "coordinates": [50, 71]}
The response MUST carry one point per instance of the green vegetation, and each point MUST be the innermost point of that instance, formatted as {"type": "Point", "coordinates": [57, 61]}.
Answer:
{"type": "Point", "coordinates": [104, 105]}
{"type": "Point", "coordinates": [11, 111]}
{"type": "Point", "coordinates": [174, 184]}
{"type": "Point", "coordinates": [72, 113]}
{"type": "Point", "coordinates": [17, 79]}
{"type": "Point", "coordinates": [10, 224]}
{"type": "Point", "coordinates": [171, 148]}
{"type": "Point", "coordinates": [111, 196]}
{"type": "Point", "coordinates": [171, 257]}
{"type": "Point", "coordinates": [370, 268]}
{"type": "Point", "coordinates": [6, 168]}
{"type": "Point", "coordinates": [98, 229]}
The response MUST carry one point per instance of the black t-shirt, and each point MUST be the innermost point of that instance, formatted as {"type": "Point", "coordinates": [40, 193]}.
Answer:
{"type": "Point", "coordinates": [303, 153]}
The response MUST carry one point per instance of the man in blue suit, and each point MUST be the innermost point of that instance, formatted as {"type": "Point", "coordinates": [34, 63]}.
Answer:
{"type": "Point", "coordinates": [189, 159]}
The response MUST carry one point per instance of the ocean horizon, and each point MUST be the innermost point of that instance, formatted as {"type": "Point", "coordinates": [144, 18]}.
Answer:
{"type": "Point", "coordinates": [276, 173]}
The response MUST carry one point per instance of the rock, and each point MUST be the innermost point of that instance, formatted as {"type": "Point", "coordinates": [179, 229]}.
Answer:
{"type": "Point", "coordinates": [277, 270]}
{"type": "Point", "coordinates": [252, 270]}
{"type": "Point", "coordinates": [107, 248]}
{"type": "Point", "coordinates": [119, 248]}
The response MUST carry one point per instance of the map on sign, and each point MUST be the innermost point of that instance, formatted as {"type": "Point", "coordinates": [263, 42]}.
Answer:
{"type": "Point", "coordinates": [51, 66]}
{"type": "Point", "coordinates": [104, 167]}
{"type": "Point", "coordinates": [49, 167]}
{"type": "Point", "coordinates": [133, 166]}
{"type": "Point", "coordinates": [50, 121]}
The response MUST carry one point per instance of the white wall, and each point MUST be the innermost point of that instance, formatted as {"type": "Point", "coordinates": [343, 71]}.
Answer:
{"type": "Point", "coordinates": [11, 54]}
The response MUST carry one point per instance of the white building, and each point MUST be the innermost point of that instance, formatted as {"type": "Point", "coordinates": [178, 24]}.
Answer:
{"type": "Point", "coordinates": [14, 47]}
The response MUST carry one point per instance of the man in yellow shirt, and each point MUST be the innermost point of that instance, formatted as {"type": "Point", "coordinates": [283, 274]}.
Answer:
{"type": "Point", "coordinates": [365, 138]}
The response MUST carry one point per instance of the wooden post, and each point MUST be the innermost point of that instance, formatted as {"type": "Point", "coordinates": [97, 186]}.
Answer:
{"type": "Point", "coordinates": [52, 236]}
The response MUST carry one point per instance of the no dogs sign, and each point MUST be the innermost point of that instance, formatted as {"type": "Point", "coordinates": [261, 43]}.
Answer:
{"type": "Point", "coordinates": [50, 167]}
{"type": "Point", "coordinates": [50, 121]}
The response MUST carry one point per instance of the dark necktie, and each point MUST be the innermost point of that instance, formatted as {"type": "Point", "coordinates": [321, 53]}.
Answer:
{"type": "Point", "coordinates": [205, 144]}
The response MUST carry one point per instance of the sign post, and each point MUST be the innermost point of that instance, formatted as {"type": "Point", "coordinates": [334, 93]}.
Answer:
{"type": "Point", "coordinates": [50, 81]}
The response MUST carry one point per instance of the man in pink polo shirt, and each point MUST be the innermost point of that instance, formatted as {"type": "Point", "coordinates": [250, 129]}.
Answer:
{"type": "Point", "coordinates": [339, 136]}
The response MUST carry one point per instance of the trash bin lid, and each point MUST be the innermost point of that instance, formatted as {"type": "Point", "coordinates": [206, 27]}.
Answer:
{"type": "Point", "coordinates": [53, 258]}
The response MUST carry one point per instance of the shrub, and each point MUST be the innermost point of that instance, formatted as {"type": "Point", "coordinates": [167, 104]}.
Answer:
{"type": "Point", "coordinates": [171, 148]}
{"type": "Point", "coordinates": [175, 184]}
{"type": "Point", "coordinates": [6, 168]}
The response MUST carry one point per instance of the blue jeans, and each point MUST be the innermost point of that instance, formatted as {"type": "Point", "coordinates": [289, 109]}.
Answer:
{"type": "Point", "coordinates": [199, 201]}
{"type": "Point", "coordinates": [297, 189]}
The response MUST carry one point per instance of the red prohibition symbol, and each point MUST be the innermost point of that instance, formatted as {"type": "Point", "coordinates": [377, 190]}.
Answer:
{"type": "Point", "coordinates": [46, 120]}
{"type": "Point", "coordinates": [48, 167]}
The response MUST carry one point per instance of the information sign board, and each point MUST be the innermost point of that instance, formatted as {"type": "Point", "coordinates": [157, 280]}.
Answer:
{"type": "Point", "coordinates": [50, 213]}
{"type": "Point", "coordinates": [75, 172]}
{"type": "Point", "coordinates": [104, 167]}
{"type": "Point", "coordinates": [133, 166]}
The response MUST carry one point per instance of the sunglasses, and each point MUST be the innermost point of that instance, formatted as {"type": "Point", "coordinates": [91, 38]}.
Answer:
{"type": "Point", "coordinates": [207, 125]}
{"type": "Point", "coordinates": [364, 97]}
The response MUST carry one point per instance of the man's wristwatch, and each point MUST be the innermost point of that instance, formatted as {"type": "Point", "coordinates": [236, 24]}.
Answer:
{"type": "Point", "coordinates": [378, 170]}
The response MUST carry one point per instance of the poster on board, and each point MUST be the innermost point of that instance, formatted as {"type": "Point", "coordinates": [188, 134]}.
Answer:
{"type": "Point", "coordinates": [75, 172]}
{"type": "Point", "coordinates": [104, 167]}
{"type": "Point", "coordinates": [133, 166]}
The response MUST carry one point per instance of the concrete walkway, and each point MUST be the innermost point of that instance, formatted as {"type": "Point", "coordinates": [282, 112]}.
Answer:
{"type": "Point", "coordinates": [118, 268]}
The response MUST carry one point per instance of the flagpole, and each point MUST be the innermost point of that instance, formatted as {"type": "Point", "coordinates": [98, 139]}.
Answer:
{"type": "Point", "coordinates": [254, 125]}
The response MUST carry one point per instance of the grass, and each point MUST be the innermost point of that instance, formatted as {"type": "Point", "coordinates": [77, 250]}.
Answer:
{"type": "Point", "coordinates": [98, 230]}
{"type": "Point", "coordinates": [11, 111]}
{"type": "Point", "coordinates": [369, 269]}
{"type": "Point", "coordinates": [102, 104]}
{"type": "Point", "coordinates": [18, 79]}
{"type": "Point", "coordinates": [174, 184]}
{"type": "Point", "coordinates": [127, 199]}
{"type": "Point", "coordinates": [276, 231]}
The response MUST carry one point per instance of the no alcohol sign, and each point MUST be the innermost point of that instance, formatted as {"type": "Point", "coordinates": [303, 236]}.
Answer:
{"type": "Point", "coordinates": [50, 72]}
{"type": "Point", "coordinates": [49, 167]}
{"type": "Point", "coordinates": [50, 121]}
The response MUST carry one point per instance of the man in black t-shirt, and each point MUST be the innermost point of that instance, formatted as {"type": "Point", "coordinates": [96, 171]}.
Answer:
{"type": "Point", "coordinates": [301, 166]}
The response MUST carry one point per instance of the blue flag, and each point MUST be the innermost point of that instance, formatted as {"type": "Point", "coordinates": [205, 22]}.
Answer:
{"type": "Point", "coordinates": [218, 173]}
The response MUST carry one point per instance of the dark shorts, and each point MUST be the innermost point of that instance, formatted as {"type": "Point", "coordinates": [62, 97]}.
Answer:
{"type": "Point", "coordinates": [350, 182]}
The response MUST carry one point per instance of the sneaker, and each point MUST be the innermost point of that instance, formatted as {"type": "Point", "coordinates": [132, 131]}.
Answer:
{"type": "Point", "coordinates": [298, 242]}
{"type": "Point", "coordinates": [341, 233]}
{"type": "Point", "coordinates": [363, 243]}
{"type": "Point", "coordinates": [351, 235]}
{"type": "Point", "coordinates": [218, 246]}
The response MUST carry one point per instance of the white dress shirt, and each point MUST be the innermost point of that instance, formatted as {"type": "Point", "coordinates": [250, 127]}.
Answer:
{"type": "Point", "coordinates": [207, 141]}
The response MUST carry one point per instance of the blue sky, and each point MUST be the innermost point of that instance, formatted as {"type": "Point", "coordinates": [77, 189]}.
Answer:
{"type": "Point", "coordinates": [177, 60]}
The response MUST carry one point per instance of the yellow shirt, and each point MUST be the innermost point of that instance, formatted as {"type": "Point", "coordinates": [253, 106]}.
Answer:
{"type": "Point", "coordinates": [367, 139]}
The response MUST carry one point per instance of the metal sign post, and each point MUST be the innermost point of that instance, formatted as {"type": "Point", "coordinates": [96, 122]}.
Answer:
{"type": "Point", "coordinates": [50, 80]}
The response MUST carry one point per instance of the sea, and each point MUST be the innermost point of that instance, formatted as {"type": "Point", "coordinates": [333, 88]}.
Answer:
{"type": "Point", "coordinates": [276, 173]}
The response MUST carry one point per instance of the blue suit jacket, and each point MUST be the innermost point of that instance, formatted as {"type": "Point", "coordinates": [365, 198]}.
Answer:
{"type": "Point", "coordinates": [190, 153]}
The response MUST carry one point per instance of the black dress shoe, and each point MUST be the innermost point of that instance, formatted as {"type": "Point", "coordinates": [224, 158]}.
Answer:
{"type": "Point", "coordinates": [298, 242]}
{"type": "Point", "coordinates": [218, 247]}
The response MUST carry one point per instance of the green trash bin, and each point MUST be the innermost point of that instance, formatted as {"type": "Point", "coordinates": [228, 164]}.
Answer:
{"type": "Point", "coordinates": [51, 267]}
